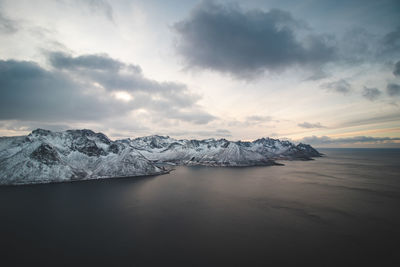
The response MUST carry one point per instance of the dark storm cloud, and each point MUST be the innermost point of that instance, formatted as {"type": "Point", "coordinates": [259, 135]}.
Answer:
{"type": "Point", "coordinates": [340, 86]}
{"type": "Point", "coordinates": [115, 75]}
{"type": "Point", "coordinates": [309, 125]}
{"type": "Point", "coordinates": [391, 42]}
{"type": "Point", "coordinates": [243, 43]}
{"type": "Point", "coordinates": [393, 89]}
{"type": "Point", "coordinates": [325, 140]}
{"type": "Point", "coordinates": [371, 93]}
{"type": "Point", "coordinates": [169, 98]}
{"type": "Point", "coordinates": [396, 71]}
{"type": "Point", "coordinates": [29, 92]}
{"type": "Point", "coordinates": [81, 88]}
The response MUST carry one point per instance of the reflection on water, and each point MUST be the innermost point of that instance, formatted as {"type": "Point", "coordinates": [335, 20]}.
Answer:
{"type": "Point", "coordinates": [341, 209]}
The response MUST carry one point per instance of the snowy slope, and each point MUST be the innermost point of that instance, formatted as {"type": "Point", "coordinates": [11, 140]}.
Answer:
{"type": "Point", "coordinates": [277, 149]}
{"type": "Point", "coordinates": [45, 156]}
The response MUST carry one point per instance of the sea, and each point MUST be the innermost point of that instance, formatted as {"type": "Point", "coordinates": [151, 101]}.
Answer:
{"type": "Point", "coordinates": [342, 209]}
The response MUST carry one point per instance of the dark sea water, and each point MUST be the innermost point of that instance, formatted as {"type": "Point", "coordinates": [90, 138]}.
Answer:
{"type": "Point", "coordinates": [339, 210]}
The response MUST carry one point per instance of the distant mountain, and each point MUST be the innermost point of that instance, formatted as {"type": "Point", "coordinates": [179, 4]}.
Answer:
{"type": "Point", "coordinates": [45, 156]}
{"type": "Point", "coordinates": [209, 152]}
{"type": "Point", "coordinates": [220, 152]}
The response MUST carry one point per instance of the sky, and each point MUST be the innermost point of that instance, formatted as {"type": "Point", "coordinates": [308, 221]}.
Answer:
{"type": "Point", "coordinates": [317, 71]}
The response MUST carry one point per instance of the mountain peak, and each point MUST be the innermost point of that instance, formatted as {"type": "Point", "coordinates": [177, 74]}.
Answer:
{"type": "Point", "coordinates": [41, 132]}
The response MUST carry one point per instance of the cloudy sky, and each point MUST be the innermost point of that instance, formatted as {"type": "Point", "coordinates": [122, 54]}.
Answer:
{"type": "Point", "coordinates": [322, 72]}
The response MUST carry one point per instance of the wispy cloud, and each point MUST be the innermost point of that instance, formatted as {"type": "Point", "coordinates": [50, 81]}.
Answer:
{"type": "Point", "coordinates": [208, 133]}
{"type": "Point", "coordinates": [325, 140]}
{"type": "Point", "coordinates": [7, 25]}
{"type": "Point", "coordinates": [309, 125]}
{"type": "Point", "coordinates": [339, 86]}
{"type": "Point", "coordinates": [102, 7]}
{"type": "Point", "coordinates": [258, 118]}
{"type": "Point", "coordinates": [371, 93]}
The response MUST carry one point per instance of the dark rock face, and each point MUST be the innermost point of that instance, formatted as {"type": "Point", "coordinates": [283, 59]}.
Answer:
{"type": "Point", "coordinates": [40, 132]}
{"type": "Point", "coordinates": [81, 142]}
{"type": "Point", "coordinates": [103, 138]}
{"type": "Point", "coordinates": [46, 154]}
{"type": "Point", "coordinates": [308, 150]}
{"type": "Point", "coordinates": [113, 148]}
{"type": "Point", "coordinates": [225, 144]}
{"type": "Point", "coordinates": [244, 144]}
{"type": "Point", "coordinates": [87, 147]}
{"type": "Point", "coordinates": [172, 146]}
{"type": "Point", "coordinates": [155, 141]}
{"type": "Point", "coordinates": [83, 132]}
{"type": "Point", "coordinates": [193, 143]}
{"type": "Point", "coordinates": [265, 141]}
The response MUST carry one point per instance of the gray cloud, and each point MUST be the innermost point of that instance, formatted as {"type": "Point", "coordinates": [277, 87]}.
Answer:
{"type": "Point", "coordinates": [318, 75]}
{"type": "Point", "coordinates": [396, 71]}
{"type": "Point", "coordinates": [371, 119]}
{"type": "Point", "coordinates": [309, 125]}
{"type": "Point", "coordinates": [393, 89]}
{"type": "Point", "coordinates": [391, 42]}
{"type": "Point", "coordinates": [228, 39]}
{"type": "Point", "coordinates": [29, 92]}
{"type": "Point", "coordinates": [114, 75]}
{"type": "Point", "coordinates": [7, 25]}
{"type": "Point", "coordinates": [169, 98]}
{"type": "Point", "coordinates": [81, 88]}
{"type": "Point", "coordinates": [325, 140]}
{"type": "Point", "coordinates": [98, 62]}
{"type": "Point", "coordinates": [340, 86]}
{"type": "Point", "coordinates": [371, 93]}
{"type": "Point", "coordinates": [100, 6]}
{"type": "Point", "coordinates": [358, 45]}
{"type": "Point", "coordinates": [257, 118]}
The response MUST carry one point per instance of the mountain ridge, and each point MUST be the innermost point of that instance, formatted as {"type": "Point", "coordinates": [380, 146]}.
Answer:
{"type": "Point", "coordinates": [44, 156]}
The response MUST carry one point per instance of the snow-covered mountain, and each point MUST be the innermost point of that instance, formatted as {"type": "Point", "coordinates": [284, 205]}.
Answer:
{"type": "Point", "coordinates": [221, 152]}
{"type": "Point", "coordinates": [277, 149]}
{"type": "Point", "coordinates": [208, 152]}
{"type": "Point", "coordinates": [45, 156]}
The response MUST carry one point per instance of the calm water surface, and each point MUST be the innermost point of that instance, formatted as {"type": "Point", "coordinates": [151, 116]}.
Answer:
{"type": "Point", "coordinates": [339, 210]}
